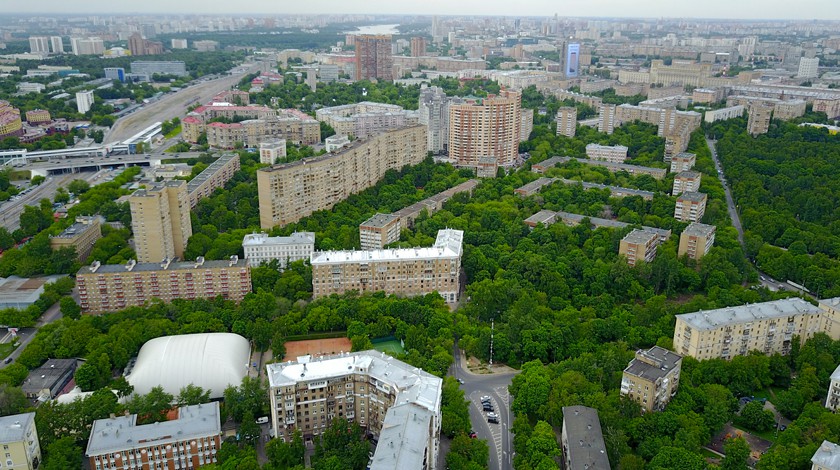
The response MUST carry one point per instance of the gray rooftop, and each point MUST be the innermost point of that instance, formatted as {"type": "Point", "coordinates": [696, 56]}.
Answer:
{"type": "Point", "coordinates": [379, 220]}
{"type": "Point", "coordinates": [157, 187]}
{"type": "Point", "coordinates": [210, 171]}
{"type": "Point", "coordinates": [640, 237]}
{"type": "Point", "coordinates": [613, 189]}
{"type": "Point", "coordinates": [13, 427]}
{"type": "Point", "coordinates": [688, 174]}
{"type": "Point", "coordinates": [75, 230]}
{"type": "Point", "coordinates": [746, 313]}
{"type": "Point", "coordinates": [122, 433]}
{"type": "Point", "coordinates": [568, 217]}
{"type": "Point", "coordinates": [544, 217]}
{"type": "Point", "coordinates": [692, 197]}
{"type": "Point", "coordinates": [536, 185]}
{"type": "Point", "coordinates": [173, 266]}
{"type": "Point", "coordinates": [403, 439]}
{"type": "Point", "coordinates": [587, 450]}
{"type": "Point", "coordinates": [827, 456]}
{"type": "Point", "coordinates": [551, 162]}
{"type": "Point", "coordinates": [684, 156]}
{"type": "Point", "coordinates": [653, 364]}
{"type": "Point", "coordinates": [46, 376]}
{"type": "Point", "coordinates": [700, 230]}
{"type": "Point", "coordinates": [660, 172]}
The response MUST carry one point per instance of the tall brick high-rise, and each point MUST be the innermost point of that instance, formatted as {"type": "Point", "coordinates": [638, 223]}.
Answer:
{"type": "Point", "coordinates": [373, 57]}
{"type": "Point", "coordinates": [486, 128]}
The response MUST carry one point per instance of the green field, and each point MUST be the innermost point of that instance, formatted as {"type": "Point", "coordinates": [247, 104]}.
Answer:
{"type": "Point", "coordinates": [7, 348]}
{"type": "Point", "coordinates": [391, 347]}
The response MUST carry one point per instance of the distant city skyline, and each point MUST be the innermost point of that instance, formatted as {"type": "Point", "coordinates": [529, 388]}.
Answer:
{"type": "Point", "coordinates": [711, 9]}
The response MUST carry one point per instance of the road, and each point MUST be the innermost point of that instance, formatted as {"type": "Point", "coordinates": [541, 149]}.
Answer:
{"type": "Point", "coordinates": [26, 334]}
{"type": "Point", "coordinates": [11, 210]}
{"type": "Point", "coordinates": [498, 436]}
{"type": "Point", "coordinates": [173, 105]}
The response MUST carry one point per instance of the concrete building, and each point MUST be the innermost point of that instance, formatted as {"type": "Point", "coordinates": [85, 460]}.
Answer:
{"type": "Point", "coordinates": [827, 457]}
{"type": "Point", "coordinates": [84, 101]}
{"type": "Point", "coordinates": [433, 112]}
{"type": "Point", "coordinates": [759, 119]}
{"type": "Point", "coordinates": [39, 44]}
{"type": "Point", "coordinates": [639, 245]}
{"type": "Point", "coordinates": [404, 271]}
{"type": "Point", "coordinates": [696, 240]}
{"type": "Point", "coordinates": [378, 231]}
{"type": "Point", "coordinates": [614, 154]}
{"type": "Point", "coordinates": [707, 95]}
{"type": "Point", "coordinates": [21, 293]}
{"type": "Point", "coordinates": [567, 121]}
{"type": "Point", "coordinates": [38, 116]}
{"type": "Point", "coordinates": [832, 401]}
{"type": "Point", "coordinates": [807, 66]}
{"type": "Point", "coordinates": [686, 181]}
{"type": "Point", "coordinates": [271, 150]}
{"type": "Point", "coordinates": [19, 438]}
{"type": "Point", "coordinates": [80, 236]}
{"type": "Point", "coordinates": [526, 125]}
{"type": "Point", "coordinates": [30, 87]}
{"type": "Point", "coordinates": [214, 176]}
{"type": "Point", "coordinates": [87, 46]}
{"type": "Point", "coordinates": [652, 378]}
{"type": "Point", "coordinates": [295, 190]}
{"type": "Point", "coordinates": [547, 217]}
{"type": "Point", "coordinates": [366, 118]}
{"type": "Point", "coordinates": [45, 382]}
{"type": "Point", "coordinates": [486, 128]}
{"type": "Point", "coordinates": [150, 67]}
{"type": "Point", "coordinates": [136, 44]}
{"type": "Point", "coordinates": [534, 187]}
{"type": "Point", "coordinates": [400, 405]}
{"type": "Point", "coordinates": [206, 45]}
{"type": "Point", "coordinates": [418, 46]}
{"type": "Point", "coordinates": [373, 57]}
{"type": "Point", "coordinates": [432, 204]}
{"type": "Point", "coordinates": [582, 440]}
{"type": "Point", "coordinates": [190, 441]}
{"type": "Point", "coordinates": [768, 327]}
{"type": "Point", "coordinates": [791, 109]}
{"type": "Point", "coordinates": [160, 220]}
{"type": "Point", "coordinates": [656, 173]}
{"type": "Point", "coordinates": [261, 249]}
{"type": "Point", "coordinates": [690, 207]}
{"type": "Point", "coordinates": [110, 287]}
{"type": "Point", "coordinates": [178, 43]}
{"type": "Point", "coordinates": [606, 118]}
{"type": "Point", "coordinates": [115, 73]}
{"type": "Point", "coordinates": [56, 45]}
{"type": "Point", "coordinates": [683, 161]}
{"type": "Point", "coordinates": [336, 142]}
{"type": "Point", "coordinates": [264, 124]}
{"type": "Point", "coordinates": [731, 112]}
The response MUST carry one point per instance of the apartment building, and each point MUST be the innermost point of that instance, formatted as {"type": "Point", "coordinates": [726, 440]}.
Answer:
{"type": "Point", "coordinates": [110, 287]}
{"type": "Point", "coordinates": [300, 131]}
{"type": "Point", "coordinates": [81, 236]}
{"type": "Point", "coordinates": [402, 271]}
{"type": "Point", "coordinates": [39, 45]}
{"type": "Point", "coordinates": [336, 142]}
{"type": "Point", "coordinates": [832, 401]}
{"type": "Point", "coordinates": [373, 57]}
{"type": "Point", "coordinates": [366, 118]}
{"type": "Point", "coordinates": [707, 95]}
{"type": "Point", "coordinates": [690, 207]}
{"type": "Point", "coordinates": [261, 249]}
{"type": "Point", "coordinates": [722, 114]}
{"type": "Point", "coordinates": [607, 118]}
{"type": "Point", "coordinates": [295, 190]}
{"type": "Point", "coordinates": [656, 173]}
{"type": "Point", "coordinates": [683, 161]}
{"type": "Point", "coordinates": [397, 403]}
{"type": "Point", "coordinates": [549, 217]}
{"type": "Point", "coordinates": [606, 153]}
{"type": "Point", "coordinates": [639, 245]}
{"type": "Point", "coordinates": [652, 378]}
{"type": "Point", "coordinates": [543, 166]}
{"type": "Point", "coordinates": [418, 46]}
{"type": "Point", "coordinates": [582, 439]}
{"type": "Point", "coordinates": [826, 457]}
{"type": "Point", "coordinates": [526, 125]}
{"type": "Point", "coordinates": [758, 121]}
{"type": "Point", "coordinates": [696, 240]}
{"type": "Point", "coordinates": [566, 121]}
{"type": "Point", "coordinates": [87, 46]}
{"type": "Point", "coordinates": [533, 187]}
{"type": "Point", "coordinates": [151, 67]}
{"type": "Point", "coordinates": [433, 112]}
{"type": "Point", "coordinates": [47, 381]}
{"type": "Point", "coordinates": [160, 220]}
{"type": "Point", "coordinates": [19, 438]}
{"type": "Point", "coordinates": [686, 181]}
{"type": "Point", "coordinates": [271, 150]}
{"type": "Point", "coordinates": [378, 231]}
{"type": "Point", "coordinates": [84, 101]}
{"type": "Point", "coordinates": [190, 441]}
{"type": "Point", "coordinates": [432, 204]}
{"type": "Point", "coordinates": [768, 327]}
{"type": "Point", "coordinates": [38, 116]}
{"type": "Point", "coordinates": [791, 109]}
{"type": "Point", "coordinates": [831, 316]}
{"type": "Point", "coordinates": [807, 66]}
{"type": "Point", "coordinates": [489, 127]}
{"type": "Point", "coordinates": [214, 176]}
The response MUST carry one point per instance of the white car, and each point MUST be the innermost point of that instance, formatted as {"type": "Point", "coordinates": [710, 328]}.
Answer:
{"type": "Point", "coordinates": [262, 420]}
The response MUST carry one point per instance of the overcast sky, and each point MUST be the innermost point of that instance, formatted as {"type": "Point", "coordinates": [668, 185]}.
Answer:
{"type": "Point", "coordinates": [776, 9]}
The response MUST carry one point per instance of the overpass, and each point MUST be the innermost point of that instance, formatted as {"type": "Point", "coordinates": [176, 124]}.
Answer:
{"type": "Point", "coordinates": [75, 165]}
{"type": "Point", "coordinates": [21, 157]}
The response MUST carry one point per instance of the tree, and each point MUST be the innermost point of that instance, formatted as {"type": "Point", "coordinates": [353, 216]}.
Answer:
{"type": "Point", "coordinates": [78, 187]}
{"type": "Point", "coordinates": [12, 400]}
{"type": "Point", "coordinates": [670, 458]}
{"type": "Point", "coordinates": [69, 308]}
{"type": "Point", "coordinates": [33, 220]}
{"type": "Point", "coordinates": [737, 453]}
{"type": "Point", "coordinates": [123, 388]}
{"type": "Point", "coordinates": [192, 395]}
{"type": "Point", "coordinates": [282, 455]}
{"type": "Point", "coordinates": [61, 196]}
{"type": "Point", "coordinates": [151, 407]}
{"type": "Point", "coordinates": [251, 395]}
{"type": "Point", "coordinates": [756, 418]}
{"type": "Point", "coordinates": [63, 454]}
{"type": "Point", "coordinates": [249, 430]}
{"type": "Point", "coordinates": [37, 179]}
{"type": "Point", "coordinates": [6, 239]}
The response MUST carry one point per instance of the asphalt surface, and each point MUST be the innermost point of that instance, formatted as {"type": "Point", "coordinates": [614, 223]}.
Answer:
{"type": "Point", "coordinates": [498, 436]}
{"type": "Point", "coordinates": [10, 210]}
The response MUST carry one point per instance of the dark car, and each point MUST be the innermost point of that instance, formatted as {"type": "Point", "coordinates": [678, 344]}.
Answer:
{"type": "Point", "coordinates": [473, 435]}
{"type": "Point", "coordinates": [493, 419]}
{"type": "Point", "coordinates": [487, 407]}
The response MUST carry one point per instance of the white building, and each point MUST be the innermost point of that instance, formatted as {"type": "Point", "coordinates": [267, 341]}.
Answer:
{"type": "Point", "coordinates": [336, 142]}
{"type": "Point", "coordinates": [808, 67]}
{"type": "Point", "coordinates": [261, 249]}
{"type": "Point", "coordinates": [827, 457]}
{"type": "Point", "coordinates": [56, 45]}
{"type": "Point", "coordinates": [396, 402]}
{"type": "Point", "coordinates": [271, 150]}
{"type": "Point", "coordinates": [723, 114]}
{"type": "Point", "coordinates": [614, 154]}
{"type": "Point", "coordinates": [366, 118]}
{"type": "Point", "coordinates": [84, 100]}
{"type": "Point", "coordinates": [30, 87]}
{"type": "Point", "coordinates": [39, 44]}
{"type": "Point", "coordinates": [434, 114]}
{"type": "Point", "coordinates": [87, 46]}
{"type": "Point", "coordinates": [179, 43]}
{"type": "Point", "coordinates": [833, 400]}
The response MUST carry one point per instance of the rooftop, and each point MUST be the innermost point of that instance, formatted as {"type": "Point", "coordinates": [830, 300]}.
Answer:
{"type": "Point", "coordinates": [636, 192]}
{"type": "Point", "coordinates": [684, 156]}
{"type": "Point", "coordinates": [154, 188]}
{"type": "Point", "coordinates": [45, 377]}
{"type": "Point", "coordinates": [692, 197]}
{"type": "Point", "coordinates": [545, 217]}
{"type": "Point", "coordinates": [132, 266]}
{"type": "Point", "coordinates": [404, 437]}
{"type": "Point", "coordinates": [653, 364]}
{"type": "Point", "coordinates": [13, 427]}
{"type": "Point", "coordinates": [640, 237]}
{"type": "Point", "coordinates": [585, 440]}
{"type": "Point", "coordinates": [611, 147]}
{"type": "Point", "coordinates": [121, 433]}
{"type": "Point", "coordinates": [614, 166]}
{"type": "Point", "coordinates": [296, 238]}
{"type": "Point", "coordinates": [827, 456]}
{"type": "Point", "coordinates": [447, 245]}
{"type": "Point", "coordinates": [746, 313]}
{"type": "Point", "coordinates": [379, 220]}
{"type": "Point", "coordinates": [210, 171]}
{"type": "Point", "coordinates": [688, 174]}
{"type": "Point", "coordinates": [700, 230]}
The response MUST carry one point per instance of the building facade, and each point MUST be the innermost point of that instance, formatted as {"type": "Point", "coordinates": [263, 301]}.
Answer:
{"type": "Point", "coordinates": [758, 121]}
{"type": "Point", "coordinates": [652, 378]}
{"type": "Point", "coordinates": [10, 123]}
{"type": "Point", "coordinates": [433, 112]}
{"type": "Point", "coordinates": [336, 142]}
{"type": "Point", "coordinates": [808, 67]}
{"type": "Point", "coordinates": [190, 441]}
{"type": "Point", "coordinates": [366, 118]}
{"type": "Point", "coordinates": [81, 236]}
{"type": "Point", "coordinates": [295, 190]}
{"type": "Point", "coordinates": [731, 112]}
{"type": "Point", "coordinates": [403, 271]}
{"type": "Point", "coordinates": [111, 287]}
{"type": "Point", "coordinates": [399, 404]}
{"type": "Point", "coordinates": [827, 457]}
{"type": "Point", "coordinates": [84, 101]}
{"type": "Point", "coordinates": [19, 438]}
{"type": "Point", "coordinates": [567, 121]}
{"type": "Point", "coordinates": [160, 220]}
{"type": "Point", "coordinates": [690, 207]}
{"type": "Point", "coordinates": [378, 231]}
{"type": "Point", "coordinates": [639, 245]}
{"type": "Point", "coordinates": [606, 118]}
{"type": "Point", "coordinates": [686, 181]}
{"type": "Point", "coordinates": [261, 249]}
{"type": "Point", "coordinates": [683, 161]}
{"type": "Point", "coordinates": [832, 401]}
{"type": "Point", "coordinates": [582, 439]}
{"type": "Point", "coordinates": [696, 240]}
{"type": "Point", "coordinates": [271, 150]}
{"type": "Point", "coordinates": [214, 176]}
{"type": "Point", "coordinates": [373, 57]}
{"type": "Point", "coordinates": [149, 67]}
{"type": "Point", "coordinates": [615, 153]}
{"type": "Point", "coordinates": [418, 46]}
{"type": "Point", "coordinates": [486, 128]}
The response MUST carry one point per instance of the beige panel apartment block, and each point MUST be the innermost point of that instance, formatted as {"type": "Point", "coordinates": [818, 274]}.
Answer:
{"type": "Point", "coordinates": [690, 207]}
{"type": "Point", "coordinates": [214, 176]}
{"type": "Point", "coordinates": [683, 161]}
{"type": "Point", "coordinates": [295, 190]}
{"type": "Point", "coordinates": [652, 378]}
{"type": "Point", "coordinates": [81, 236]}
{"type": "Point", "coordinates": [758, 121]}
{"type": "Point", "coordinates": [567, 121]}
{"type": "Point", "coordinates": [639, 245]}
{"type": "Point", "coordinates": [378, 231]}
{"type": "Point", "coordinates": [696, 240]}
{"type": "Point", "coordinates": [686, 181]}
{"type": "Point", "coordinates": [160, 220]}
{"type": "Point", "coordinates": [19, 438]}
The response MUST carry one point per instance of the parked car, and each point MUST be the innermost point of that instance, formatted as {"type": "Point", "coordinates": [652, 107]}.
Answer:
{"type": "Point", "coordinates": [493, 419]}
{"type": "Point", "coordinates": [262, 420]}
{"type": "Point", "coordinates": [473, 435]}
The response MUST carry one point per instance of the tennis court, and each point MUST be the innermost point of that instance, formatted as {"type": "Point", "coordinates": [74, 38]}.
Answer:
{"type": "Point", "coordinates": [316, 347]}
{"type": "Point", "coordinates": [389, 346]}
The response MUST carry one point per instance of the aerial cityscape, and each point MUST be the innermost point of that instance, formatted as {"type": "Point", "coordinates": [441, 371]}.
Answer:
{"type": "Point", "coordinates": [448, 236]}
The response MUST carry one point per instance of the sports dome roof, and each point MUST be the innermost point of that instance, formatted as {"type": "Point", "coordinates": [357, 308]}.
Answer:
{"type": "Point", "coordinates": [211, 361]}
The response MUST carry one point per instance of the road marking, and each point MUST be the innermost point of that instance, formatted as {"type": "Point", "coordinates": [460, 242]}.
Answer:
{"type": "Point", "coordinates": [495, 429]}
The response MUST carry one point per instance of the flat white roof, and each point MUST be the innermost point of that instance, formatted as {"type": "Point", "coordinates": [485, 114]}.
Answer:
{"type": "Point", "coordinates": [447, 245]}
{"type": "Point", "coordinates": [260, 239]}
{"type": "Point", "coordinates": [745, 313]}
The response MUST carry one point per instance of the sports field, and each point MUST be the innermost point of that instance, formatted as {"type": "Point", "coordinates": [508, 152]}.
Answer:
{"type": "Point", "coordinates": [392, 347]}
{"type": "Point", "coordinates": [316, 347]}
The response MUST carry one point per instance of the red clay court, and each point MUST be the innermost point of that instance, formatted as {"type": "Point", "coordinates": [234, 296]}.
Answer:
{"type": "Point", "coordinates": [316, 347]}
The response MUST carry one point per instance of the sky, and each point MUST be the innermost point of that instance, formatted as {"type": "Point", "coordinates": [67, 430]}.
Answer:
{"type": "Point", "coordinates": [734, 9]}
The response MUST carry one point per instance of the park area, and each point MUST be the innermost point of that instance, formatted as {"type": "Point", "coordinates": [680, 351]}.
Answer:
{"type": "Point", "coordinates": [316, 348]}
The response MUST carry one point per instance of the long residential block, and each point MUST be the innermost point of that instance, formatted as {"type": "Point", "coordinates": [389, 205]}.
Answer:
{"type": "Point", "coordinates": [656, 173]}
{"type": "Point", "coordinates": [295, 190]}
{"type": "Point", "coordinates": [214, 176]}
{"type": "Point", "coordinates": [260, 249]}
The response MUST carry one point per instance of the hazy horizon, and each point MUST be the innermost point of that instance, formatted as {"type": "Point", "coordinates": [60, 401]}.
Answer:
{"type": "Point", "coordinates": [742, 10]}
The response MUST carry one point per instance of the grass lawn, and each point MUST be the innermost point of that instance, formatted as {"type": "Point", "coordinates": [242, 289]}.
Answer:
{"type": "Point", "coordinates": [768, 435]}
{"type": "Point", "coordinates": [173, 132]}
{"type": "Point", "coordinates": [765, 393]}
{"type": "Point", "coordinates": [390, 347]}
{"type": "Point", "coordinates": [709, 454]}
{"type": "Point", "coordinates": [6, 349]}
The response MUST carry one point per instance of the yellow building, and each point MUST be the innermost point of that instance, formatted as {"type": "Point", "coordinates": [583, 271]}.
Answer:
{"type": "Point", "coordinates": [652, 378]}
{"type": "Point", "coordinates": [19, 439]}
{"type": "Point", "coordinates": [567, 121]}
{"type": "Point", "coordinates": [81, 236]}
{"type": "Point", "coordinates": [378, 231]}
{"type": "Point", "coordinates": [160, 220]}
{"type": "Point", "coordinates": [690, 207]}
{"type": "Point", "coordinates": [214, 176]}
{"type": "Point", "coordinates": [639, 245]}
{"type": "Point", "coordinates": [295, 190]}
{"type": "Point", "coordinates": [686, 181]}
{"type": "Point", "coordinates": [696, 240]}
{"type": "Point", "coordinates": [489, 127]}
{"type": "Point", "coordinates": [758, 121]}
{"type": "Point", "coordinates": [10, 123]}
